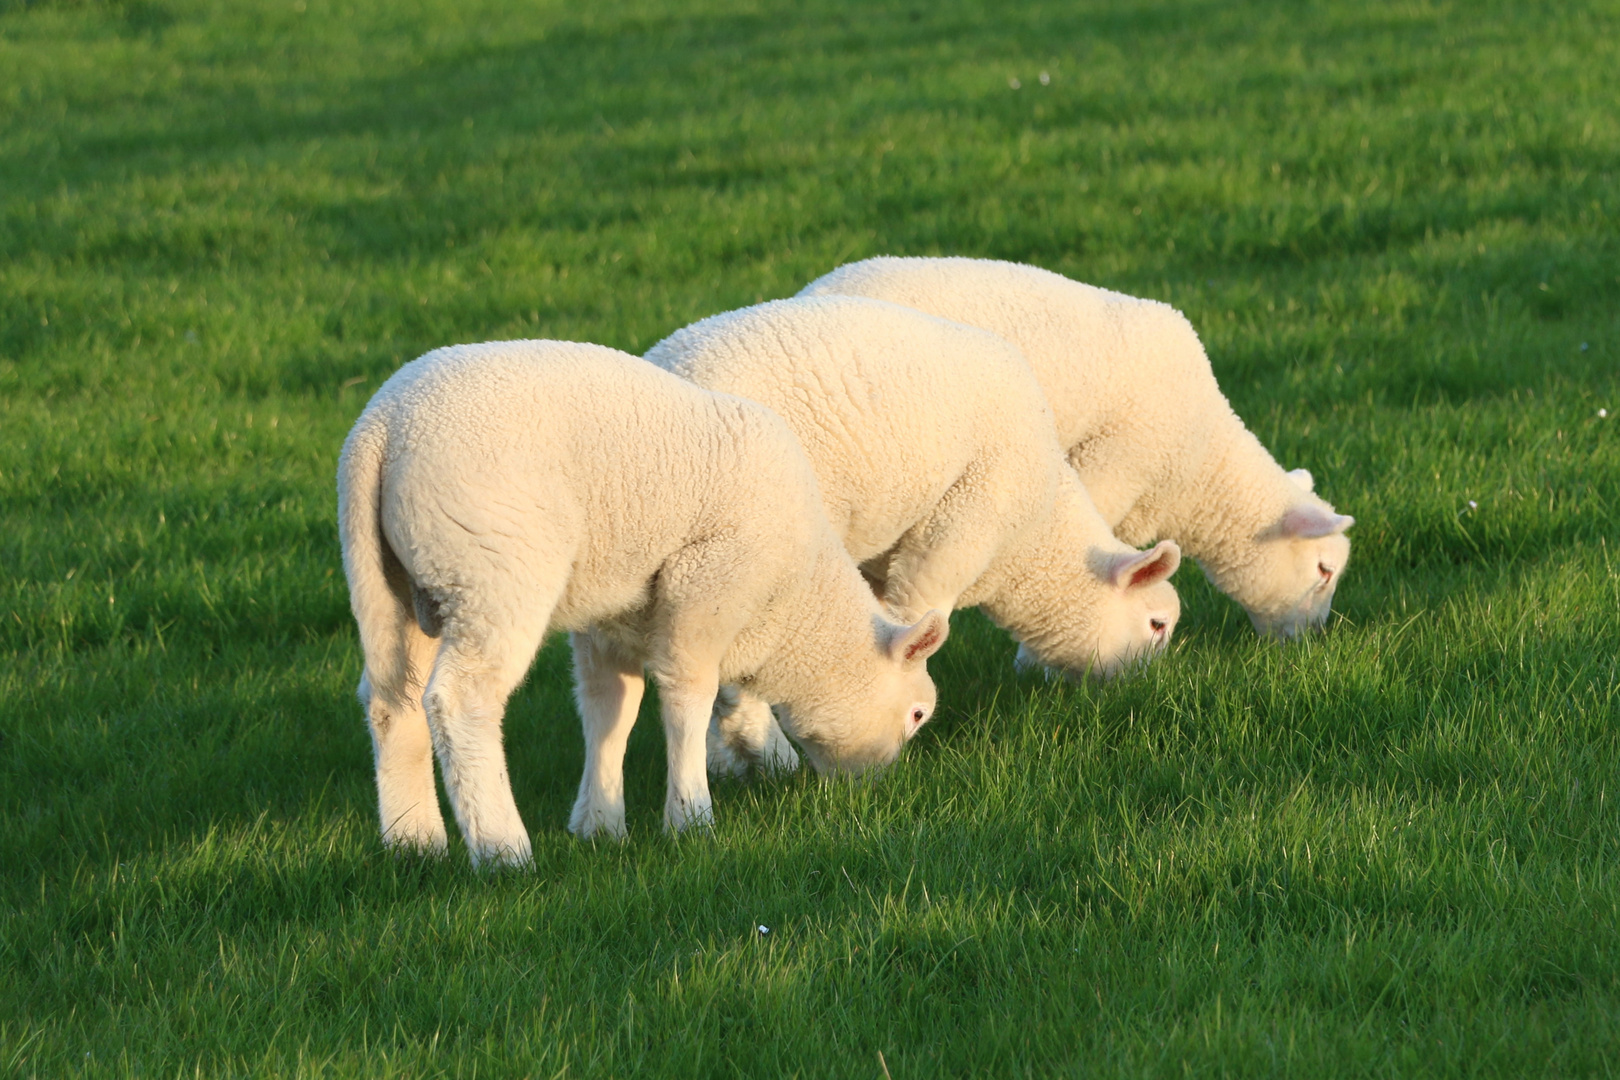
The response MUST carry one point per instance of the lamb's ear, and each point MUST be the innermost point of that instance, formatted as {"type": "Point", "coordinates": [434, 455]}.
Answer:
{"type": "Point", "coordinates": [1309, 521]}
{"type": "Point", "coordinates": [911, 645]}
{"type": "Point", "coordinates": [1303, 478]}
{"type": "Point", "coordinates": [1142, 568]}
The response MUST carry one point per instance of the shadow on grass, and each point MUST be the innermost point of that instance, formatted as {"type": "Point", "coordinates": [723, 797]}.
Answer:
{"type": "Point", "coordinates": [156, 755]}
{"type": "Point", "coordinates": [578, 82]}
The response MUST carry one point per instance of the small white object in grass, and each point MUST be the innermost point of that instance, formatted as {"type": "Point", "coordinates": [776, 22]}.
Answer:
{"type": "Point", "coordinates": [1014, 83]}
{"type": "Point", "coordinates": [1046, 80]}
{"type": "Point", "coordinates": [1472, 505]}
{"type": "Point", "coordinates": [763, 930]}
{"type": "Point", "coordinates": [1603, 414]}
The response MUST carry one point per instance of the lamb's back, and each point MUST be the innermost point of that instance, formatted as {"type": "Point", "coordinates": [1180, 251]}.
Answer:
{"type": "Point", "coordinates": [560, 452]}
{"type": "Point", "coordinates": [892, 405]}
{"type": "Point", "coordinates": [1097, 354]}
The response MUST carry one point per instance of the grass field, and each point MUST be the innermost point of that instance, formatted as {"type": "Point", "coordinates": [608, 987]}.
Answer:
{"type": "Point", "coordinates": [1389, 850]}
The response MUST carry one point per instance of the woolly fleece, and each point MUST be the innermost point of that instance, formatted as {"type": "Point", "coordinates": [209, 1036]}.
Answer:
{"type": "Point", "coordinates": [936, 458]}
{"type": "Point", "coordinates": [1144, 423]}
{"type": "Point", "coordinates": [491, 492]}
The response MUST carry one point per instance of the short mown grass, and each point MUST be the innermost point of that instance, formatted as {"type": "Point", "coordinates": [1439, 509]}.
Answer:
{"type": "Point", "coordinates": [1388, 850]}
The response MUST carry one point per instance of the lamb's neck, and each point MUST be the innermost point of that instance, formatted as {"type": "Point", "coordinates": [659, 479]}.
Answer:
{"type": "Point", "coordinates": [810, 627]}
{"type": "Point", "coordinates": [1239, 493]}
{"type": "Point", "coordinates": [1155, 408]}
{"type": "Point", "coordinates": [1052, 558]}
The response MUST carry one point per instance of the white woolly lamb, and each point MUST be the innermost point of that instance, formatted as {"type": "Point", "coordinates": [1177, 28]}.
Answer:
{"type": "Point", "coordinates": [491, 492]}
{"type": "Point", "coordinates": [936, 457]}
{"type": "Point", "coordinates": [1145, 425]}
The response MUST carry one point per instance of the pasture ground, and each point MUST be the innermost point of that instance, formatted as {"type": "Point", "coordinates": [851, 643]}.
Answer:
{"type": "Point", "coordinates": [1389, 850]}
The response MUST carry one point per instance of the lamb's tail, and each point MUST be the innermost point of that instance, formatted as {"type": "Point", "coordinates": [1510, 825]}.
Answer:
{"type": "Point", "coordinates": [379, 590]}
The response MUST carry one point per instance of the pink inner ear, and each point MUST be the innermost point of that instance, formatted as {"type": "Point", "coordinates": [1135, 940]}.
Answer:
{"type": "Point", "coordinates": [1147, 567]}
{"type": "Point", "coordinates": [923, 645]}
{"type": "Point", "coordinates": [1149, 572]}
{"type": "Point", "coordinates": [1314, 522]}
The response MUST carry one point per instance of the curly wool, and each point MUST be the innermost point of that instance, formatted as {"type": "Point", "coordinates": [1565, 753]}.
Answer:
{"type": "Point", "coordinates": [936, 458]}
{"type": "Point", "coordinates": [1145, 424]}
{"type": "Point", "coordinates": [491, 492]}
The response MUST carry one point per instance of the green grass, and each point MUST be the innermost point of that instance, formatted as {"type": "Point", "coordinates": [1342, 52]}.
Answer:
{"type": "Point", "coordinates": [1390, 850]}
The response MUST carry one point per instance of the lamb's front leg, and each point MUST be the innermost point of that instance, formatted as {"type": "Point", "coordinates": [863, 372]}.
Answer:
{"type": "Point", "coordinates": [688, 700]}
{"type": "Point", "coordinates": [691, 637]}
{"type": "Point", "coordinates": [608, 684]}
{"type": "Point", "coordinates": [744, 735]}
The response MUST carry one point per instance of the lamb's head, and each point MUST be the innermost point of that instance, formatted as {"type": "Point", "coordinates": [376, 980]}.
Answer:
{"type": "Point", "coordinates": [1123, 612]}
{"type": "Point", "coordinates": [869, 705]}
{"type": "Point", "coordinates": [1287, 585]}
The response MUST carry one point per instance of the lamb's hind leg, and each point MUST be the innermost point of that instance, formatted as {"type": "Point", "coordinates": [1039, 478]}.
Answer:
{"type": "Point", "coordinates": [398, 660]}
{"type": "Point", "coordinates": [481, 662]}
{"type": "Point", "coordinates": [609, 684]}
{"type": "Point", "coordinates": [402, 747]}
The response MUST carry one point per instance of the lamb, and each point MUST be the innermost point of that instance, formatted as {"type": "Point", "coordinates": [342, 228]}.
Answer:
{"type": "Point", "coordinates": [491, 492]}
{"type": "Point", "coordinates": [941, 472]}
{"type": "Point", "coordinates": [1145, 425]}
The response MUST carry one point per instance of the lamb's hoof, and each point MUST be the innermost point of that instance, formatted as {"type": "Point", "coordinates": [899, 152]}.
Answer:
{"type": "Point", "coordinates": [685, 817]}
{"type": "Point", "coordinates": [417, 844]}
{"type": "Point", "coordinates": [513, 854]}
{"type": "Point", "coordinates": [411, 849]}
{"type": "Point", "coordinates": [778, 758]}
{"type": "Point", "coordinates": [595, 822]}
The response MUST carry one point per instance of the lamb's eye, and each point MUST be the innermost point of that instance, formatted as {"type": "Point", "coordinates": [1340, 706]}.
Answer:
{"type": "Point", "coordinates": [1157, 625]}
{"type": "Point", "coordinates": [1325, 570]}
{"type": "Point", "coordinates": [918, 716]}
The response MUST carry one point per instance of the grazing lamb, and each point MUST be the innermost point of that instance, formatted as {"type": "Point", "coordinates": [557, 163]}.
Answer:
{"type": "Point", "coordinates": [935, 455]}
{"type": "Point", "coordinates": [1144, 424]}
{"type": "Point", "coordinates": [491, 492]}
